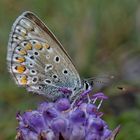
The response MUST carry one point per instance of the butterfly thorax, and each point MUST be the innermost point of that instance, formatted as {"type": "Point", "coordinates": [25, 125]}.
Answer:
{"type": "Point", "coordinates": [79, 91]}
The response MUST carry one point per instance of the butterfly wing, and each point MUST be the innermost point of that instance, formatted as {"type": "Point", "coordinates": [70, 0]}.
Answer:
{"type": "Point", "coordinates": [37, 60]}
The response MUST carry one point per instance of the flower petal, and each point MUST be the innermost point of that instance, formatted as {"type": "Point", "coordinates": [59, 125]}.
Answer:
{"type": "Point", "coordinates": [78, 116]}
{"type": "Point", "coordinates": [63, 104]}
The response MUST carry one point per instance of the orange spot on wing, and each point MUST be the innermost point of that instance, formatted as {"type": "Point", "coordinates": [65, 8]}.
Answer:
{"type": "Point", "coordinates": [23, 52]}
{"type": "Point", "coordinates": [20, 59]}
{"type": "Point", "coordinates": [47, 46]}
{"type": "Point", "coordinates": [23, 80]}
{"type": "Point", "coordinates": [20, 69]}
{"type": "Point", "coordinates": [28, 46]}
{"type": "Point", "coordinates": [38, 46]}
{"type": "Point", "coordinates": [24, 34]}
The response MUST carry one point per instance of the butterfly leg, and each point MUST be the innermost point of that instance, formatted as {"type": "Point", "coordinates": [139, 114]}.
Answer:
{"type": "Point", "coordinates": [94, 101]}
{"type": "Point", "coordinates": [99, 96]}
{"type": "Point", "coordinates": [100, 103]}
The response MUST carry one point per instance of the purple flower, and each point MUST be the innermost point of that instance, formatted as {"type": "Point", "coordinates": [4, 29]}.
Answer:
{"type": "Point", "coordinates": [62, 120]}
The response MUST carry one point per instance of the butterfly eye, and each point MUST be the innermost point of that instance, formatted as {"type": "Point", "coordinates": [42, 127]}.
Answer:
{"type": "Point", "coordinates": [86, 85]}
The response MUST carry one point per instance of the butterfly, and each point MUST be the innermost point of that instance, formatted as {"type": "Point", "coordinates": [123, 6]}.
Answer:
{"type": "Point", "coordinates": [38, 61]}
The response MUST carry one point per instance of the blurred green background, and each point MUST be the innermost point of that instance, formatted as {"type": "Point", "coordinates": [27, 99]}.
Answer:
{"type": "Point", "coordinates": [102, 37]}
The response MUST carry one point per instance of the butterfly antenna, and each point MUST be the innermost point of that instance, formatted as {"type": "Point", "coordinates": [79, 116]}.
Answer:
{"type": "Point", "coordinates": [89, 100]}
{"type": "Point", "coordinates": [107, 78]}
{"type": "Point", "coordinates": [101, 79]}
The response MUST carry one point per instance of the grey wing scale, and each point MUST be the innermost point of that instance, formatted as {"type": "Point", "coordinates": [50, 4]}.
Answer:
{"type": "Point", "coordinates": [37, 60]}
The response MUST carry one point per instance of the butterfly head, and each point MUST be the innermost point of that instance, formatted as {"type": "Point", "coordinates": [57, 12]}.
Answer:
{"type": "Point", "coordinates": [87, 84]}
